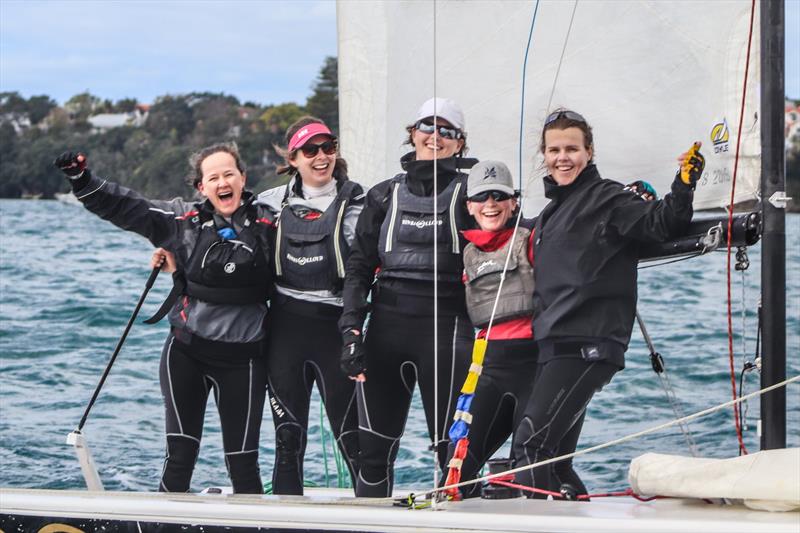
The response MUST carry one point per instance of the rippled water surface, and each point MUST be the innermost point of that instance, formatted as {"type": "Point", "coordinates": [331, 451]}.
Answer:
{"type": "Point", "coordinates": [69, 281]}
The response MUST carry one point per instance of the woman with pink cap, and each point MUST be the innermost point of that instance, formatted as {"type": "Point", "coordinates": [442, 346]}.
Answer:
{"type": "Point", "coordinates": [316, 212]}
{"type": "Point", "coordinates": [395, 235]}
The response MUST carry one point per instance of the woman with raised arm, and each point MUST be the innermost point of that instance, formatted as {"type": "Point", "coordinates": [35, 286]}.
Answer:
{"type": "Point", "coordinates": [316, 217]}
{"type": "Point", "coordinates": [586, 252]}
{"type": "Point", "coordinates": [216, 310]}
{"type": "Point", "coordinates": [395, 236]}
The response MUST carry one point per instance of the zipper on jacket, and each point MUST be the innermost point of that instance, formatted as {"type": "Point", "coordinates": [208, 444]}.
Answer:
{"type": "Point", "coordinates": [453, 228]}
{"type": "Point", "coordinates": [336, 245]}
{"type": "Point", "coordinates": [278, 269]}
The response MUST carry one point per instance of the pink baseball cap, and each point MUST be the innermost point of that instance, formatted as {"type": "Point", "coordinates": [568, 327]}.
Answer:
{"type": "Point", "coordinates": [306, 132]}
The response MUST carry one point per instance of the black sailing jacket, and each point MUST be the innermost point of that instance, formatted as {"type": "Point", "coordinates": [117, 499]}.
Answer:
{"type": "Point", "coordinates": [586, 256]}
{"type": "Point", "coordinates": [364, 258]}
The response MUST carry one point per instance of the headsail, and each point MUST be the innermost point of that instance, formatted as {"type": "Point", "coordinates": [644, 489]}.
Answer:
{"type": "Point", "coordinates": [651, 77]}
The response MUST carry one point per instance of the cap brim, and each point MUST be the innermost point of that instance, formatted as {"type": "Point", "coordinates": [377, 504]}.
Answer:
{"type": "Point", "coordinates": [491, 187]}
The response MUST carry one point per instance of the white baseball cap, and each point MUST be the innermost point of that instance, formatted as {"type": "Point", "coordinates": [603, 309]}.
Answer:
{"type": "Point", "coordinates": [445, 108]}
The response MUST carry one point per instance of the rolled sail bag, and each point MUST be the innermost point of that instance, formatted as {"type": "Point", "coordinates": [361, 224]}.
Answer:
{"type": "Point", "coordinates": [766, 481]}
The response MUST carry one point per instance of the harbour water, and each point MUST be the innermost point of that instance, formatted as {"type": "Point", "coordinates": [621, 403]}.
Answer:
{"type": "Point", "coordinates": [69, 281]}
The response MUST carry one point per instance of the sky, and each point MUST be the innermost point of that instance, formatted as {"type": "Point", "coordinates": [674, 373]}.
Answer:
{"type": "Point", "coordinates": [265, 51]}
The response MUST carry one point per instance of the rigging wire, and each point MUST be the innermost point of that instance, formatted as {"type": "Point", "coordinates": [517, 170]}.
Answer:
{"type": "Point", "coordinates": [561, 59]}
{"type": "Point", "coordinates": [742, 448]}
{"type": "Point", "coordinates": [434, 228]}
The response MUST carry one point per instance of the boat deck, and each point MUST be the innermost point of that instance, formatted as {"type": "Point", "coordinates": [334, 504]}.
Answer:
{"type": "Point", "coordinates": [328, 510]}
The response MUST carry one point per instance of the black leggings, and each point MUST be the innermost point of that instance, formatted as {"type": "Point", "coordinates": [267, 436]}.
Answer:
{"type": "Point", "coordinates": [506, 382]}
{"type": "Point", "coordinates": [400, 353]}
{"type": "Point", "coordinates": [239, 390]}
{"type": "Point", "coordinates": [304, 347]}
{"type": "Point", "coordinates": [553, 419]}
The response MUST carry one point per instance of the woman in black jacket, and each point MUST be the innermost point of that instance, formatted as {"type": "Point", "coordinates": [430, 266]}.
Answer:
{"type": "Point", "coordinates": [395, 236]}
{"type": "Point", "coordinates": [217, 308]}
{"type": "Point", "coordinates": [586, 253]}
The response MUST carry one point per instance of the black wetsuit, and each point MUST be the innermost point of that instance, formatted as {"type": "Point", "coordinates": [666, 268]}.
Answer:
{"type": "Point", "coordinates": [304, 339]}
{"type": "Point", "coordinates": [217, 322]}
{"type": "Point", "coordinates": [395, 232]}
{"type": "Point", "coordinates": [586, 250]}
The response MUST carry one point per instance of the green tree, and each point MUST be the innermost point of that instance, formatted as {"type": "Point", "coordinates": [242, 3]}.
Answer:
{"type": "Point", "coordinates": [170, 116]}
{"type": "Point", "coordinates": [81, 106]}
{"type": "Point", "coordinates": [278, 118]}
{"type": "Point", "coordinates": [125, 105]}
{"type": "Point", "coordinates": [324, 101]}
{"type": "Point", "coordinates": [39, 107]}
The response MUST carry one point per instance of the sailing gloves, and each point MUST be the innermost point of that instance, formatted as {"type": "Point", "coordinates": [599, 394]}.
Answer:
{"type": "Point", "coordinates": [72, 164]}
{"type": "Point", "coordinates": [692, 165]}
{"type": "Point", "coordinates": [352, 361]}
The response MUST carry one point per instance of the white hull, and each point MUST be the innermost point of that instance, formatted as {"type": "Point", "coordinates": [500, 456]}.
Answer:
{"type": "Point", "coordinates": [329, 510]}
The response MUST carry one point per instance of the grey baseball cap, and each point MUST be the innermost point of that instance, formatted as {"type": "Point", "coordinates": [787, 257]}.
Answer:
{"type": "Point", "coordinates": [490, 176]}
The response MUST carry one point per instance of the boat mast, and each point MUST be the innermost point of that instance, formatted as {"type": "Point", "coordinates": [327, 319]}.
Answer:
{"type": "Point", "coordinates": [773, 240]}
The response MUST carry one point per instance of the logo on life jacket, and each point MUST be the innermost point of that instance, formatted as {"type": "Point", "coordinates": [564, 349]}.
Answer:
{"type": "Point", "coordinates": [304, 260]}
{"type": "Point", "coordinates": [720, 136]}
{"type": "Point", "coordinates": [421, 223]}
{"type": "Point", "coordinates": [229, 268]}
{"type": "Point", "coordinates": [483, 265]}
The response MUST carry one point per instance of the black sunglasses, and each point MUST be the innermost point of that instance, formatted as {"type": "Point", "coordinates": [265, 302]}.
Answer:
{"type": "Point", "coordinates": [310, 150]}
{"type": "Point", "coordinates": [570, 115]}
{"type": "Point", "coordinates": [498, 196]}
{"type": "Point", "coordinates": [444, 132]}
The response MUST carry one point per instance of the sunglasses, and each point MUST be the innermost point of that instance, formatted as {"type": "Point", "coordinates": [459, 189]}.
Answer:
{"type": "Point", "coordinates": [569, 115]}
{"type": "Point", "coordinates": [445, 133]}
{"type": "Point", "coordinates": [498, 196]}
{"type": "Point", "coordinates": [310, 150]}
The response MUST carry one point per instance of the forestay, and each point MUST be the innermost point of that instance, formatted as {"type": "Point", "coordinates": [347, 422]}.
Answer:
{"type": "Point", "coordinates": [650, 76]}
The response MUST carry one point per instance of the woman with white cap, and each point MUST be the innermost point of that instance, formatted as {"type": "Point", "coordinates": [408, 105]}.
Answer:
{"type": "Point", "coordinates": [395, 236]}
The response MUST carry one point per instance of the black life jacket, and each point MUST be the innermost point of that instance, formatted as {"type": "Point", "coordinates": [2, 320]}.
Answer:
{"type": "Point", "coordinates": [405, 245]}
{"type": "Point", "coordinates": [310, 254]}
{"type": "Point", "coordinates": [220, 270]}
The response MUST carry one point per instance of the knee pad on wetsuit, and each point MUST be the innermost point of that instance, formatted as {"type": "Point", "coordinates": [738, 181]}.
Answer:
{"type": "Point", "coordinates": [288, 443]}
{"type": "Point", "coordinates": [244, 472]}
{"type": "Point", "coordinates": [179, 464]}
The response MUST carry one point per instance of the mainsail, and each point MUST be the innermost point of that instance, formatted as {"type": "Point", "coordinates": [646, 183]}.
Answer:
{"type": "Point", "coordinates": [650, 76]}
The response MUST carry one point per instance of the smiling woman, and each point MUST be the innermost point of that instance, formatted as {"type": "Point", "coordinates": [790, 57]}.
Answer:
{"type": "Point", "coordinates": [216, 309]}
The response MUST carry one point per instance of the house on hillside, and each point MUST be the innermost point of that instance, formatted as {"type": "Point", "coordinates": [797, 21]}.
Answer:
{"type": "Point", "coordinates": [106, 121]}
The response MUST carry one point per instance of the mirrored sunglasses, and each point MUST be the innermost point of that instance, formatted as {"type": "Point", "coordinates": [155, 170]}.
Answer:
{"type": "Point", "coordinates": [498, 196]}
{"type": "Point", "coordinates": [310, 150]}
{"type": "Point", "coordinates": [444, 132]}
{"type": "Point", "coordinates": [570, 115]}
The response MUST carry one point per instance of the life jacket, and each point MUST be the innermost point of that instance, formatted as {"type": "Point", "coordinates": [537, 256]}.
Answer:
{"type": "Point", "coordinates": [224, 270]}
{"type": "Point", "coordinates": [483, 271]}
{"type": "Point", "coordinates": [405, 245]}
{"type": "Point", "coordinates": [310, 254]}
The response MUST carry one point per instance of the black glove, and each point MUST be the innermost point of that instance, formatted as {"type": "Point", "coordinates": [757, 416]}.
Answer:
{"type": "Point", "coordinates": [643, 190]}
{"type": "Point", "coordinates": [352, 361]}
{"type": "Point", "coordinates": [692, 165]}
{"type": "Point", "coordinates": [73, 164]}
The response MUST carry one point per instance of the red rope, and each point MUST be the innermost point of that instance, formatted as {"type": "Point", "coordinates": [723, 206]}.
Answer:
{"type": "Point", "coordinates": [627, 492]}
{"type": "Point", "coordinates": [742, 448]}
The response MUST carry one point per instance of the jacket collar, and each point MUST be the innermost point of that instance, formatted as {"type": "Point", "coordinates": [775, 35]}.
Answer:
{"type": "Point", "coordinates": [488, 241]}
{"type": "Point", "coordinates": [558, 193]}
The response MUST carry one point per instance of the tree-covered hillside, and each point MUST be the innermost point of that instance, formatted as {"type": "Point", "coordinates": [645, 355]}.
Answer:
{"type": "Point", "coordinates": [146, 146]}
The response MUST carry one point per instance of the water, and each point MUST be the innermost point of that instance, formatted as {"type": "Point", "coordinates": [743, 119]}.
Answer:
{"type": "Point", "coordinates": [69, 281]}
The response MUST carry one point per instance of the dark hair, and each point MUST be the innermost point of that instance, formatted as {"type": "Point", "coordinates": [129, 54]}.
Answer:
{"type": "Point", "coordinates": [410, 140]}
{"type": "Point", "coordinates": [563, 118]}
{"type": "Point", "coordinates": [197, 158]}
{"type": "Point", "coordinates": [339, 168]}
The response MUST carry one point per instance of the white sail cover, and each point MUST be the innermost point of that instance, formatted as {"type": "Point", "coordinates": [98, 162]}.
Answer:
{"type": "Point", "coordinates": [651, 77]}
{"type": "Point", "coordinates": [768, 480]}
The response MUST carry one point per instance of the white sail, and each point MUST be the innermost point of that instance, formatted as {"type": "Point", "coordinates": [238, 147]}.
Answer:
{"type": "Point", "coordinates": [651, 77]}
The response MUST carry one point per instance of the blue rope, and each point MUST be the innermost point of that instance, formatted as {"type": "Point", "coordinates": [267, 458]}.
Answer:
{"type": "Point", "coordinates": [522, 104]}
